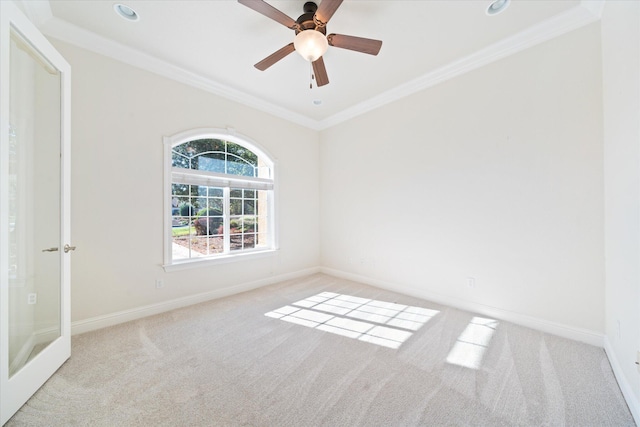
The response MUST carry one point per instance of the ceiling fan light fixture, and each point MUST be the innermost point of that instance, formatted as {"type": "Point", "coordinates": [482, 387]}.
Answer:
{"type": "Point", "coordinates": [311, 44]}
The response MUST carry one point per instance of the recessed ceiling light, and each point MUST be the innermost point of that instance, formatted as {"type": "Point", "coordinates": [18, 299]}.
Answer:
{"type": "Point", "coordinates": [126, 12]}
{"type": "Point", "coordinates": [317, 102]}
{"type": "Point", "coordinates": [497, 6]}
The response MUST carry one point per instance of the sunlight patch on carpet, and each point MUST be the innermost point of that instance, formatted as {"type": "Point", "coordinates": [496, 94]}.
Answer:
{"type": "Point", "coordinates": [378, 322]}
{"type": "Point", "coordinates": [469, 349]}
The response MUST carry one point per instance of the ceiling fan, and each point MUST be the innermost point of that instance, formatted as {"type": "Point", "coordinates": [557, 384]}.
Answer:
{"type": "Point", "coordinates": [311, 40]}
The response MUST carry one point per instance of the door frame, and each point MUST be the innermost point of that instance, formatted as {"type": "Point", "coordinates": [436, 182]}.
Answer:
{"type": "Point", "coordinates": [15, 391]}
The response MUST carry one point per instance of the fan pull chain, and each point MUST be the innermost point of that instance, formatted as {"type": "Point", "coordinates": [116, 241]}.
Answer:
{"type": "Point", "coordinates": [311, 76]}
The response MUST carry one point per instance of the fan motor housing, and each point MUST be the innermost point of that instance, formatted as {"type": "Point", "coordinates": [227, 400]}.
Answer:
{"type": "Point", "coordinates": [306, 22]}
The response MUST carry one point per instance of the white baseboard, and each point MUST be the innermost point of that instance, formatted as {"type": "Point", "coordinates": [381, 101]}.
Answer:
{"type": "Point", "coordinates": [565, 331]}
{"type": "Point", "coordinates": [111, 319]}
{"type": "Point", "coordinates": [633, 401]}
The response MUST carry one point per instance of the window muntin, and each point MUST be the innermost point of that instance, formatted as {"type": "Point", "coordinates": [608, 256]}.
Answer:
{"type": "Point", "coordinates": [221, 199]}
{"type": "Point", "coordinates": [248, 223]}
{"type": "Point", "coordinates": [197, 221]}
{"type": "Point", "coordinates": [214, 155]}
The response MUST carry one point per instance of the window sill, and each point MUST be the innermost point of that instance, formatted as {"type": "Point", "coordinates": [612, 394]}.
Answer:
{"type": "Point", "coordinates": [223, 259]}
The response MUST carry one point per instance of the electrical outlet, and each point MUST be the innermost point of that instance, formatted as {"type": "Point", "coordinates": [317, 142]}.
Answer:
{"type": "Point", "coordinates": [32, 299]}
{"type": "Point", "coordinates": [159, 284]}
{"type": "Point", "coordinates": [471, 282]}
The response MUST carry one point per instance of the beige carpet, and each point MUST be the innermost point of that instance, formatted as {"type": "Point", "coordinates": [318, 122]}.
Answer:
{"type": "Point", "coordinates": [326, 361]}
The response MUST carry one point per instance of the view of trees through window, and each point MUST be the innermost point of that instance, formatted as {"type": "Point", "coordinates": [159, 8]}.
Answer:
{"type": "Point", "coordinates": [211, 214]}
{"type": "Point", "coordinates": [214, 155]}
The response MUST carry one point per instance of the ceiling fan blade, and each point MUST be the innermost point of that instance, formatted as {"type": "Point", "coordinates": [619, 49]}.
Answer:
{"type": "Point", "coordinates": [320, 72]}
{"type": "Point", "coordinates": [269, 11]}
{"type": "Point", "coordinates": [326, 10]}
{"type": "Point", "coordinates": [275, 57]}
{"type": "Point", "coordinates": [359, 44]}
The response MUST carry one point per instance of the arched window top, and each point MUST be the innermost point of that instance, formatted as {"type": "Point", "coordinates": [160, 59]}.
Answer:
{"type": "Point", "coordinates": [215, 155]}
{"type": "Point", "coordinates": [221, 152]}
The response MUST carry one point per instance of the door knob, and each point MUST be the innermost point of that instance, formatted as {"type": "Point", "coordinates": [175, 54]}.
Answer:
{"type": "Point", "coordinates": [68, 248]}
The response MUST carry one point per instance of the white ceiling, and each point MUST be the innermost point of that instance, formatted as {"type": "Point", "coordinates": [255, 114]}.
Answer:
{"type": "Point", "coordinates": [214, 44]}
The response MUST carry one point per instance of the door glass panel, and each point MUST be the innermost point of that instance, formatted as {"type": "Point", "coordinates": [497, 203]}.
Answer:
{"type": "Point", "coordinates": [34, 204]}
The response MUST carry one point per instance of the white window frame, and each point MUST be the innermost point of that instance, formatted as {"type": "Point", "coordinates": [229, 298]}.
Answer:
{"type": "Point", "coordinates": [230, 180]}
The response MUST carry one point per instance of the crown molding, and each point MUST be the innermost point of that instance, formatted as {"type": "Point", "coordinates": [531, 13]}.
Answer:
{"type": "Point", "coordinates": [38, 11]}
{"type": "Point", "coordinates": [594, 6]}
{"type": "Point", "coordinates": [69, 33]}
{"type": "Point", "coordinates": [587, 12]}
{"type": "Point", "coordinates": [558, 25]}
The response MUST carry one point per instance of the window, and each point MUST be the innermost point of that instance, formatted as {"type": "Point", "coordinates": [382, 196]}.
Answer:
{"type": "Point", "coordinates": [219, 198]}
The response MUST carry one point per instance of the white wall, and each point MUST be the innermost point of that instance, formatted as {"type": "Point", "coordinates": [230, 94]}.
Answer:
{"type": "Point", "coordinates": [621, 100]}
{"type": "Point", "coordinates": [119, 116]}
{"type": "Point", "coordinates": [495, 175]}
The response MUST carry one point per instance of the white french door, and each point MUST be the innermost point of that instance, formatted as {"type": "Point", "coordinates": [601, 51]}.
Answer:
{"type": "Point", "coordinates": [34, 210]}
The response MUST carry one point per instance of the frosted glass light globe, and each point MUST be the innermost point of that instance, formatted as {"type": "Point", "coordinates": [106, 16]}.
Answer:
{"type": "Point", "coordinates": [311, 44]}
